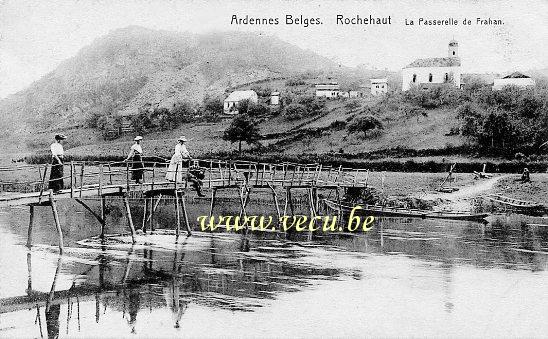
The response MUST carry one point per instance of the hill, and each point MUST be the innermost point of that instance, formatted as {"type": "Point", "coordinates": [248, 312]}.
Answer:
{"type": "Point", "coordinates": [132, 66]}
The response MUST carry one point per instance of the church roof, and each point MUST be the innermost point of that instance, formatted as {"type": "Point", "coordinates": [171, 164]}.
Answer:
{"type": "Point", "coordinates": [516, 75]}
{"type": "Point", "coordinates": [435, 62]}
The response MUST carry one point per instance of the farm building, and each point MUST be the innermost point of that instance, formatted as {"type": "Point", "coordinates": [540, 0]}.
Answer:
{"type": "Point", "coordinates": [274, 98]}
{"type": "Point", "coordinates": [328, 90]}
{"type": "Point", "coordinates": [514, 79]}
{"type": "Point", "coordinates": [379, 86]}
{"type": "Point", "coordinates": [231, 102]}
{"type": "Point", "coordinates": [434, 70]}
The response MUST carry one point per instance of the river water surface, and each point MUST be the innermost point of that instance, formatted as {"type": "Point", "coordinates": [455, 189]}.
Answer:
{"type": "Point", "coordinates": [403, 278]}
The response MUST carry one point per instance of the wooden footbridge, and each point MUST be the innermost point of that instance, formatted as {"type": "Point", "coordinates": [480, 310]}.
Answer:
{"type": "Point", "coordinates": [92, 180]}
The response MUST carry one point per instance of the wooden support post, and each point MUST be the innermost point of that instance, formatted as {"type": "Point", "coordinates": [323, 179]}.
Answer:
{"type": "Point", "coordinates": [244, 199]}
{"type": "Point", "coordinates": [339, 208]}
{"type": "Point", "coordinates": [275, 197]}
{"type": "Point", "coordinates": [185, 214]}
{"type": "Point", "coordinates": [290, 200]}
{"type": "Point", "coordinates": [153, 175]}
{"type": "Point", "coordinates": [43, 184]}
{"type": "Point", "coordinates": [145, 210]}
{"type": "Point", "coordinates": [127, 176]}
{"type": "Point", "coordinates": [176, 178]}
{"type": "Point", "coordinates": [316, 199]}
{"type": "Point", "coordinates": [72, 180]}
{"type": "Point", "coordinates": [177, 210]}
{"type": "Point", "coordinates": [57, 222]}
{"type": "Point", "coordinates": [31, 223]}
{"type": "Point", "coordinates": [100, 192]}
{"type": "Point", "coordinates": [286, 200]}
{"type": "Point", "coordinates": [152, 210]}
{"type": "Point", "coordinates": [311, 203]}
{"type": "Point", "coordinates": [229, 171]}
{"type": "Point", "coordinates": [212, 203]}
{"type": "Point", "coordinates": [103, 203]}
{"type": "Point", "coordinates": [129, 219]}
{"type": "Point", "coordinates": [81, 179]}
{"type": "Point", "coordinates": [210, 171]}
{"type": "Point", "coordinates": [109, 174]}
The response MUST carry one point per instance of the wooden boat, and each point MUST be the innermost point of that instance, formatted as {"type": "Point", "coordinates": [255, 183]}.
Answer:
{"type": "Point", "coordinates": [383, 211]}
{"type": "Point", "coordinates": [516, 205]}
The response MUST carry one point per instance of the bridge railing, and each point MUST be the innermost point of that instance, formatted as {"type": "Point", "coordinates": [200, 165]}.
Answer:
{"type": "Point", "coordinates": [79, 175]}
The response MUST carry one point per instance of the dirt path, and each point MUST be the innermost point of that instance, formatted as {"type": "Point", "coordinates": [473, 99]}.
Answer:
{"type": "Point", "coordinates": [461, 199]}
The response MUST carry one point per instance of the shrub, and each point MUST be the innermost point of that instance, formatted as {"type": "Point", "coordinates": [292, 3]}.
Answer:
{"type": "Point", "coordinates": [294, 112]}
{"type": "Point", "coordinates": [212, 105]}
{"type": "Point", "coordinates": [259, 109]}
{"type": "Point", "coordinates": [364, 124]}
{"type": "Point", "coordinates": [242, 128]}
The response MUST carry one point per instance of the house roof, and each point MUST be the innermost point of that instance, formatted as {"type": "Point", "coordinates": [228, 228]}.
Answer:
{"type": "Point", "coordinates": [435, 62]}
{"type": "Point", "coordinates": [516, 75]}
{"type": "Point", "coordinates": [240, 95]}
{"type": "Point", "coordinates": [486, 78]}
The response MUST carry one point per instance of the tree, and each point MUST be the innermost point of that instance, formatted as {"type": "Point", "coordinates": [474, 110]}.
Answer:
{"type": "Point", "coordinates": [181, 112]}
{"type": "Point", "coordinates": [364, 124]}
{"type": "Point", "coordinates": [213, 105]}
{"type": "Point", "coordinates": [259, 109]}
{"type": "Point", "coordinates": [294, 111]}
{"type": "Point", "coordinates": [242, 128]}
{"type": "Point", "coordinates": [243, 106]}
{"type": "Point", "coordinates": [410, 111]}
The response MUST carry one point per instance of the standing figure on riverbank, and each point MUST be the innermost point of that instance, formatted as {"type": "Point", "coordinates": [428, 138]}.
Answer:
{"type": "Point", "coordinates": [136, 155]}
{"type": "Point", "coordinates": [56, 173]}
{"type": "Point", "coordinates": [175, 169]}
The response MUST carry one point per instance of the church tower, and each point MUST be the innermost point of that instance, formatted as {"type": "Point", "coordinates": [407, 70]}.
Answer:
{"type": "Point", "coordinates": [453, 50]}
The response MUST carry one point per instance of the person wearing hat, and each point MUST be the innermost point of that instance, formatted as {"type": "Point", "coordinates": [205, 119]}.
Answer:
{"type": "Point", "coordinates": [175, 169]}
{"type": "Point", "coordinates": [525, 176]}
{"type": "Point", "coordinates": [136, 155]}
{"type": "Point", "coordinates": [56, 174]}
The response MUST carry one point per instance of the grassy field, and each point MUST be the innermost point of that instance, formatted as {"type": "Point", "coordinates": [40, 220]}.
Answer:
{"type": "Point", "coordinates": [536, 190]}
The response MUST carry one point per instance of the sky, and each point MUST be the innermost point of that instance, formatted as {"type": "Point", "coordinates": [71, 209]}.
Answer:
{"type": "Point", "coordinates": [36, 36]}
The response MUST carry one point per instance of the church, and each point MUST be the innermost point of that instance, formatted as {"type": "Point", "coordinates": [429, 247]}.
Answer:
{"type": "Point", "coordinates": [434, 71]}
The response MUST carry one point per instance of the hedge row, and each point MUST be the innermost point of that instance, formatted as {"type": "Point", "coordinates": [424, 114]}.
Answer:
{"type": "Point", "coordinates": [335, 160]}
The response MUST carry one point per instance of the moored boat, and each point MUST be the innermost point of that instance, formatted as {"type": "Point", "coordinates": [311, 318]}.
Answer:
{"type": "Point", "coordinates": [516, 205]}
{"type": "Point", "coordinates": [384, 211]}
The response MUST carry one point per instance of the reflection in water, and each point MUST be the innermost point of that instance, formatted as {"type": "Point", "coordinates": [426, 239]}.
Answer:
{"type": "Point", "coordinates": [464, 278]}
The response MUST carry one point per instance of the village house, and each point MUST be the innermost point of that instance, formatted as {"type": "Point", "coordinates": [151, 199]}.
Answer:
{"type": "Point", "coordinates": [434, 70]}
{"type": "Point", "coordinates": [379, 86]}
{"type": "Point", "coordinates": [275, 99]}
{"type": "Point", "coordinates": [328, 90]}
{"type": "Point", "coordinates": [515, 79]}
{"type": "Point", "coordinates": [231, 102]}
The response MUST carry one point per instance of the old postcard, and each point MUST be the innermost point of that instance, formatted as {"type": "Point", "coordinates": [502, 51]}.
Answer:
{"type": "Point", "coordinates": [267, 169]}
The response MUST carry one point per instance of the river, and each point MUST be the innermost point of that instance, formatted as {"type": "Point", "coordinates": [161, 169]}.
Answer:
{"type": "Point", "coordinates": [404, 278]}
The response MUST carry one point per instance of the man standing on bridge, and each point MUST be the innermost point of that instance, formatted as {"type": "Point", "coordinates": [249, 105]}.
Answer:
{"type": "Point", "coordinates": [56, 173]}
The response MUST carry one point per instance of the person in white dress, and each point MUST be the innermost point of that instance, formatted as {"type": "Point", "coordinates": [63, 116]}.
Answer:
{"type": "Point", "coordinates": [175, 169]}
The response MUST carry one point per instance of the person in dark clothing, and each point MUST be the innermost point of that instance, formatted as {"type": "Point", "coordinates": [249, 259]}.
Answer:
{"type": "Point", "coordinates": [136, 156]}
{"type": "Point", "coordinates": [525, 177]}
{"type": "Point", "coordinates": [57, 156]}
{"type": "Point", "coordinates": [195, 175]}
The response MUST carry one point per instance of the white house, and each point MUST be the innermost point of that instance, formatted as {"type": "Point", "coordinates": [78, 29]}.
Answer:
{"type": "Point", "coordinates": [328, 90]}
{"type": "Point", "coordinates": [515, 79]}
{"type": "Point", "coordinates": [434, 70]}
{"type": "Point", "coordinates": [231, 102]}
{"type": "Point", "coordinates": [274, 98]}
{"type": "Point", "coordinates": [379, 86]}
